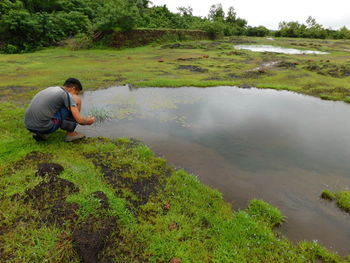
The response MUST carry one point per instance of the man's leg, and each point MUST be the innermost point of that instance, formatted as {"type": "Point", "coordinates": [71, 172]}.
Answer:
{"type": "Point", "coordinates": [71, 134]}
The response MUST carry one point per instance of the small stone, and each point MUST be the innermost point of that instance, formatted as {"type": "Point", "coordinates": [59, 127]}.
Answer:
{"type": "Point", "coordinates": [173, 226]}
{"type": "Point", "coordinates": [175, 260]}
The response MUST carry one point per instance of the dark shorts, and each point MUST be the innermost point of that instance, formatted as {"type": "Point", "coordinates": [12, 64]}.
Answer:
{"type": "Point", "coordinates": [63, 119]}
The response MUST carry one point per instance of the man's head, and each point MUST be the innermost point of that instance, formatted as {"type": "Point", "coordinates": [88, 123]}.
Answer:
{"type": "Point", "coordinates": [74, 84]}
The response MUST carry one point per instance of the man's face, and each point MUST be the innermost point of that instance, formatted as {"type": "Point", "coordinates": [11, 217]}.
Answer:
{"type": "Point", "coordinates": [73, 90]}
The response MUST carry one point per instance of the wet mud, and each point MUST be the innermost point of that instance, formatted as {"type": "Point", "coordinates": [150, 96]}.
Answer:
{"type": "Point", "coordinates": [285, 64]}
{"type": "Point", "coordinates": [49, 196]}
{"type": "Point", "coordinates": [102, 198]}
{"type": "Point", "coordinates": [91, 237]}
{"type": "Point", "coordinates": [192, 68]}
{"type": "Point", "coordinates": [179, 46]}
{"type": "Point", "coordinates": [329, 69]}
{"type": "Point", "coordinates": [141, 188]}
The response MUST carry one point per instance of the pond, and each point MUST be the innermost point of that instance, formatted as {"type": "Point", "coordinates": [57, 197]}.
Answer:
{"type": "Point", "coordinates": [279, 146]}
{"type": "Point", "coordinates": [276, 49]}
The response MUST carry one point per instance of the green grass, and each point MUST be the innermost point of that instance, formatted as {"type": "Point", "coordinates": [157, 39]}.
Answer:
{"type": "Point", "coordinates": [161, 213]}
{"type": "Point", "coordinates": [326, 194]}
{"type": "Point", "coordinates": [342, 198]}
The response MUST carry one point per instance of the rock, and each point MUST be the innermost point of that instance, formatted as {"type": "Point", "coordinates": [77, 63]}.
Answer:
{"type": "Point", "coordinates": [173, 226]}
{"type": "Point", "coordinates": [175, 260]}
{"type": "Point", "coordinates": [166, 207]}
{"type": "Point", "coordinates": [245, 86]}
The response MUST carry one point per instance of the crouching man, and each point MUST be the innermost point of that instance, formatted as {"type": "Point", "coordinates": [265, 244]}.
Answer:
{"type": "Point", "coordinates": [57, 107]}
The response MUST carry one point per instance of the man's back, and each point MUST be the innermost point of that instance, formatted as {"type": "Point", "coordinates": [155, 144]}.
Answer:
{"type": "Point", "coordinates": [44, 106]}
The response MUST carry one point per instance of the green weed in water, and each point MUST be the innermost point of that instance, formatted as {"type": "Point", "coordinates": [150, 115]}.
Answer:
{"type": "Point", "coordinates": [101, 115]}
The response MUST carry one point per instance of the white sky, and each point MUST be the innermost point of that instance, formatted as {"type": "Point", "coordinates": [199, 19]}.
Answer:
{"type": "Point", "coordinates": [329, 13]}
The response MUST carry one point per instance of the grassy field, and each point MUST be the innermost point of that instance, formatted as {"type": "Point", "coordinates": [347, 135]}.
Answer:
{"type": "Point", "coordinates": [102, 200]}
{"type": "Point", "coordinates": [200, 63]}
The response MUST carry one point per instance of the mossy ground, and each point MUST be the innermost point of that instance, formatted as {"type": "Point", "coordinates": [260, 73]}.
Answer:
{"type": "Point", "coordinates": [114, 200]}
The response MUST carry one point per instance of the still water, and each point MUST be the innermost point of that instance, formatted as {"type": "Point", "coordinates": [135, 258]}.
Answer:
{"type": "Point", "coordinates": [276, 49]}
{"type": "Point", "coordinates": [282, 147]}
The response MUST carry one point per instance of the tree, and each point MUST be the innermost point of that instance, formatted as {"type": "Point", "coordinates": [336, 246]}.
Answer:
{"type": "Point", "coordinates": [185, 11]}
{"type": "Point", "coordinates": [216, 13]}
{"type": "Point", "coordinates": [231, 15]}
{"type": "Point", "coordinates": [290, 29]}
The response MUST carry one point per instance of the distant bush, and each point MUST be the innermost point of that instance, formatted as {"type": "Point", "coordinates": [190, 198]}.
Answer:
{"type": "Point", "coordinates": [259, 31]}
{"type": "Point", "coordinates": [80, 41]}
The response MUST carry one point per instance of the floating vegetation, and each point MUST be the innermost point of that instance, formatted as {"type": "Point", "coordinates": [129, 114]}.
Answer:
{"type": "Point", "coordinates": [126, 113]}
{"type": "Point", "coordinates": [149, 104]}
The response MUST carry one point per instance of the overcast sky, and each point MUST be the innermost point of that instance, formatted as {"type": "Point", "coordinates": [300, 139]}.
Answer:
{"type": "Point", "coordinates": [330, 13]}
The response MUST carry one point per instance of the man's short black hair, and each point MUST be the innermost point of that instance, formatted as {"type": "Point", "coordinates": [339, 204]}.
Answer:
{"type": "Point", "coordinates": [73, 82]}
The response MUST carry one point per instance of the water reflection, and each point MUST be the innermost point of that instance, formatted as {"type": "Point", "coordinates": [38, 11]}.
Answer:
{"type": "Point", "coordinates": [279, 146]}
{"type": "Point", "coordinates": [276, 49]}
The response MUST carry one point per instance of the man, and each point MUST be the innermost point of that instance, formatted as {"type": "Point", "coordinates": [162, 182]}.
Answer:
{"type": "Point", "coordinates": [57, 107]}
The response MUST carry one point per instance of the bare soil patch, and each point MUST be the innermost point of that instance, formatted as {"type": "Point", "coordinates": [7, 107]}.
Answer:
{"type": "Point", "coordinates": [192, 68]}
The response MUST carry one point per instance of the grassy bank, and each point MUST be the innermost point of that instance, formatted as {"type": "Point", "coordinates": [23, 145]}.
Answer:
{"type": "Point", "coordinates": [199, 63]}
{"type": "Point", "coordinates": [104, 200]}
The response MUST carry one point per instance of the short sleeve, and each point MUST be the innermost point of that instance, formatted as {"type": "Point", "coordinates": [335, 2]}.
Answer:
{"type": "Point", "coordinates": [71, 100]}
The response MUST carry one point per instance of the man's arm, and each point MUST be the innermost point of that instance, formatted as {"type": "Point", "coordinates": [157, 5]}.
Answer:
{"type": "Point", "coordinates": [80, 119]}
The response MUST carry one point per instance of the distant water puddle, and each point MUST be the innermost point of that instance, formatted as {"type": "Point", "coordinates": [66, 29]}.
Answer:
{"type": "Point", "coordinates": [279, 146]}
{"type": "Point", "coordinates": [275, 49]}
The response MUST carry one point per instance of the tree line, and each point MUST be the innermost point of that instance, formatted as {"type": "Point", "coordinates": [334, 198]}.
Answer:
{"type": "Point", "coordinates": [311, 29]}
{"type": "Point", "coordinates": [28, 24]}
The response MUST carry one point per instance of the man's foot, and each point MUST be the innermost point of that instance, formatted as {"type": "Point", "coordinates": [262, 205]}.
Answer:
{"type": "Point", "coordinates": [40, 137]}
{"type": "Point", "coordinates": [74, 136]}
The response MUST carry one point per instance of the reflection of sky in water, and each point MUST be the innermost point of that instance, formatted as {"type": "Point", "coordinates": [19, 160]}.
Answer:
{"type": "Point", "coordinates": [255, 129]}
{"type": "Point", "coordinates": [276, 49]}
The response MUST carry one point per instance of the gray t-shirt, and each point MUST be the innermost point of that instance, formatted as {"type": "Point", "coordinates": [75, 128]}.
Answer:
{"type": "Point", "coordinates": [44, 106]}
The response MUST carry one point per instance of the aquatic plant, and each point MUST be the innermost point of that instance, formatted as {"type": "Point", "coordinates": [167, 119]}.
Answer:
{"type": "Point", "coordinates": [101, 114]}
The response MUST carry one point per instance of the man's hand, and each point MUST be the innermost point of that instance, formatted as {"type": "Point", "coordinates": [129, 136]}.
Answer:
{"type": "Point", "coordinates": [89, 120]}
